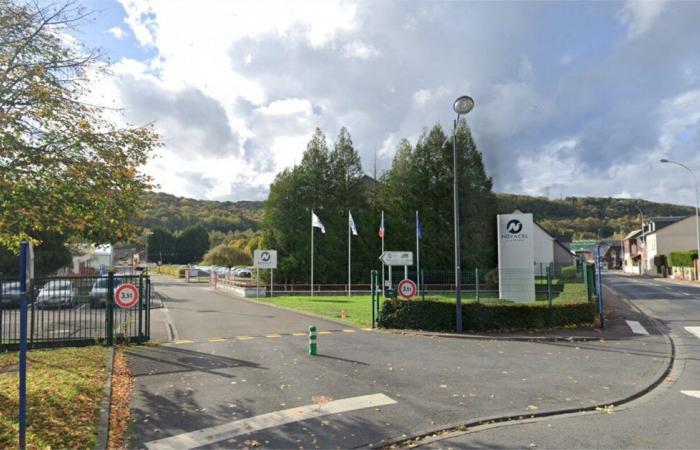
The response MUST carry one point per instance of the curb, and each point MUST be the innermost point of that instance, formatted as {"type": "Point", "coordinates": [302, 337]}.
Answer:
{"type": "Point", "coordinates": [103, 426]}
{"type": "Point", "coordinates": [304, 313]}
{"type": "Point", "coordinates": [455, 429]}
{"type": "Point", "coordinates": [481, 337]}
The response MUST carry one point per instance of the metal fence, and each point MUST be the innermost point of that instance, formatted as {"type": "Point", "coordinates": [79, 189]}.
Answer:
{"type": "Point", "coordinates": [72, 311]}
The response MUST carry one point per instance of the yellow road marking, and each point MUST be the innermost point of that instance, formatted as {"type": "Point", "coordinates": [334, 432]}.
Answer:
{"type": "Point", "coordinates": [272, 335]}
{"type": "Point", "coordinates": [299, 334]}
{"type": "Point", "coordinates": [348, 331]}
{"type": "Point", "coordinates": [216, 339]}
{"type": "Point", "coordinates": [244, 338]}
{"type": "Point", "coordinates": [324, 332]}
{"type": "Point", "coordinates": [184, 341]}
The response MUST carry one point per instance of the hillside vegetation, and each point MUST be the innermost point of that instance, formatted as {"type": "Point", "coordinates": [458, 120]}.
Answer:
{"type": "Point", "coordinates": [177, 213]}
{"type": "Point", "coordinates": [578, 217]}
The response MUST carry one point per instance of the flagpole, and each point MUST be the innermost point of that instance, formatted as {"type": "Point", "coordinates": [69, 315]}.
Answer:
{"type": "Point", "coordinates": [417, 254]}
{"type": "Point", "coordinates": [349, 254]}
{"type": "Point", "coordinates": [383, 233]}
{"type": "Point", "coordinates": [312, 252]}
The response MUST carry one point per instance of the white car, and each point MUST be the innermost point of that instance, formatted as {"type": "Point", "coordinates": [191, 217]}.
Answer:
{"type": "Point", "coordinates": [57, 294]}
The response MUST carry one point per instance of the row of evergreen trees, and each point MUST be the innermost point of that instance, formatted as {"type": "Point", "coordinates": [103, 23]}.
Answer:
{"type": "Point", "coordinates": [331, 182]}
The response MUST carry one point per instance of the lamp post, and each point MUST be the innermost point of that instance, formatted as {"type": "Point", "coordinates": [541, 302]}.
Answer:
{"type": "Point", "coordinates": [697, 218]}
{"type": "Point", "coordinates": [147, 234]}
{"type": "Point", "coordinates": [462, 105]}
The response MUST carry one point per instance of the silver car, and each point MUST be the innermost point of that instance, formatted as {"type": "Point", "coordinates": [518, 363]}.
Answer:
{"type": "Point", "coordinates": [9, 294]}
{"type": "Point", "coordinates": [57, 294]}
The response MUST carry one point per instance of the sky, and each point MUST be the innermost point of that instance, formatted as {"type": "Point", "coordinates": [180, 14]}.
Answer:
{"type": "Point", "coordinates": [572, 99]}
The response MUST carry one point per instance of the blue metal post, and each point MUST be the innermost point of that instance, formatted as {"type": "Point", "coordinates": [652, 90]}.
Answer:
{"type": "Point", "coordinates": [23, 250]}
{"type": "Point", "coordinates": [600, 286]}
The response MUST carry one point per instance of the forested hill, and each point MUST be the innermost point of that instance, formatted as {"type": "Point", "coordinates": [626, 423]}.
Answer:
{"type": "Point", "coordinates": [578, 217]}
{"type": "Point", "coordinates": [588, 217]}
{"type": "Point", "coordinates": [176, 213]}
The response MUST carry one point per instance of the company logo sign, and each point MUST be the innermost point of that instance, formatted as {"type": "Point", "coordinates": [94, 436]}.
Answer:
{"type": "Point", "coordinates": [514, 226]}
{"type": "Point", "coordinates": [514, 229]}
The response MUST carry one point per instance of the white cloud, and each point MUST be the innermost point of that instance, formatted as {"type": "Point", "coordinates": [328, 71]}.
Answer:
{"type": "Point", "coordinates": [287, 106]}
{"type": "Point", "coordinates": [360, 50]}
{"type": "Point", "coordinates": [640, 15]}
{"type": "Point", "coordinates": [117, 32]}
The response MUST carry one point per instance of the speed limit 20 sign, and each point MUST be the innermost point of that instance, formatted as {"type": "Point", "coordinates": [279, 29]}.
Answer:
{"type": "Point", "coordinates": [407, 289]}
{"type": "Point", "coordinates": [126, 295]}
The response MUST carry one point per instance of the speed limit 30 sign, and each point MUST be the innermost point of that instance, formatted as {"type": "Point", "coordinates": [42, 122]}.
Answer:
{"type": "Point", "coordinates": [407, 289]}
{"type": "Point", "coordinates": [126, 295]}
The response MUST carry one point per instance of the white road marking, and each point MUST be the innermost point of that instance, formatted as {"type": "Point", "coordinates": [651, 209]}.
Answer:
{"type": "Point", "coordinates": [693, 330]}
{"type": "Point", "coordinates": [636, 327]}
{"type": "Point", "coordinates": [695, 394]}
{"type": "Point", "coordinates": [220, 433]}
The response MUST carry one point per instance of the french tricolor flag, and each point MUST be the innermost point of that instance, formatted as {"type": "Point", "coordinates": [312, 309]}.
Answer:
{"type": "Point", "coordinates": [381, 227]}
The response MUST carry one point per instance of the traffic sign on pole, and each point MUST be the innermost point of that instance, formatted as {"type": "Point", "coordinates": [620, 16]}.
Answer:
{"type": "Point", "coordinates": [126, 296]}
{"type": "Point", "coordinates": [397, 258]}
{"type": "Point", "coordinates": [407, 289]}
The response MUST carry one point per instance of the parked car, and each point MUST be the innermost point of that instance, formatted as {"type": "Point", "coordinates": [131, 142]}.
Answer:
{"type": "Point", "coordinates": [98, 293]}
{"type": "Point", "coordinates": [244, 273]}
{"type": "Point", "coordinates": [9, 294]}
{"type": "Point", "coordinates": [57, 294]}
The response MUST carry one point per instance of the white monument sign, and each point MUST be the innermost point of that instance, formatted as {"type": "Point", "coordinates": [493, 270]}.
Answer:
{"type": "Point", "coordinates": [516, 257]}
{"type": "Point", "coordinates": [265, 259]}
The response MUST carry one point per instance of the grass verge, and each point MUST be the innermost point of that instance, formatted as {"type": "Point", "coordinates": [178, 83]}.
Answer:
{"type": "Point", "coordinates": [64, 394]}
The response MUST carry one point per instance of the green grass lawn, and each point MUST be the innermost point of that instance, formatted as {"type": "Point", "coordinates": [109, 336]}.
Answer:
{"type": "Point", "coordinates": [359, 307]}
{"type": "Point", "coordinates": [64, 393]}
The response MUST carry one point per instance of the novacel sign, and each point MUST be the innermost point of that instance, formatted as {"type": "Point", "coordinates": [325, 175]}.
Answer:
{"type": "Point", "coordinates": [516, 257]}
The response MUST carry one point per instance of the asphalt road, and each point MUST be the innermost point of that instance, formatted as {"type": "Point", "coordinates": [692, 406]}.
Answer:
{"type": "Point", "coordinates": [667, 418]}
{"type": "Point", "coordinates": [244, 366]}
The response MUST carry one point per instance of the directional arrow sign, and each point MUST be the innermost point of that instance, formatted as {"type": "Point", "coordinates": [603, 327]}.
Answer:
{"type": "Point", "coordinates": [397, 258]}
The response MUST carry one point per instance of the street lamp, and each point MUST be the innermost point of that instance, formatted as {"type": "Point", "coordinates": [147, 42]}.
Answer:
{"type": "Point", "coordinates": [697, 219]}
{"type": "Point", "coordinates": [462, 105]}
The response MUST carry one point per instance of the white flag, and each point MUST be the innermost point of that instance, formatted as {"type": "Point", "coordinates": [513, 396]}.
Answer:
{"type": "Point", "coordinates": [351, 224]}
{"type": "Point", "coordinates": [316, 222]}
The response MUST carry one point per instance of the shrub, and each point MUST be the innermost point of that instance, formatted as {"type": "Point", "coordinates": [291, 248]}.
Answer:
{"type": "Point", "coordinates": [682, 259]}
{"type": "Point", "coordinates": [476, 317]}
{"type": "Point", "coordinates": [569, 273]}
{"type": "Point", "coordinates": [492, 277]}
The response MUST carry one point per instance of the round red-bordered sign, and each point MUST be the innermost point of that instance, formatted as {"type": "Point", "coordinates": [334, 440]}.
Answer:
{"type": "Point", "coordinates": [126, 295]}
{"type": "Point", "coordinates": [407, 289]}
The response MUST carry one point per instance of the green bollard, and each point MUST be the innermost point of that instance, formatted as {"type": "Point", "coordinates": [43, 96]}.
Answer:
{"type": "Point", "coordinates": [312, 340]}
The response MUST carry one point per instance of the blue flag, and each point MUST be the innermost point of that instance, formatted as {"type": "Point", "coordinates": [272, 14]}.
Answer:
{"type": "Point", "coordinates": [419, 230]}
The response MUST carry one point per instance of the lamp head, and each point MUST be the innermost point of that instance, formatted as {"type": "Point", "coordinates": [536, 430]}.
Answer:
{"type": "Point", "coordinates": [463, 104]}
{"type": "Point", "coordinates": [663, 160]}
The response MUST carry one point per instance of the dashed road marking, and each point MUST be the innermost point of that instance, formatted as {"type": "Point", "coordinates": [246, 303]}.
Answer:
{"type": "Point", "coordinates": [212, 435]}
{"type": "Point", "coordinates": [695, 394]}
{"type": "Point", "coordinates": [693, 330]}
{"type": "Point", "coordinates": [636, 327]}
{"type": "Point", "coordinates": [263, 336]}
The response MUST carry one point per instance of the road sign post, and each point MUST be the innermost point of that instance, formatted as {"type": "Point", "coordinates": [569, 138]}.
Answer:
{"type": "Point", "coordinates": [396, 259]}
{"type": "Point", "coordinates": [265, 259]}
{"type": "Point", "coordinates": [26, 272]}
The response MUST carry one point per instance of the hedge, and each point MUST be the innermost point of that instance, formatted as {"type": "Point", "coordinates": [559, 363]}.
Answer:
{"type": "Point", "coordinates": [682, 259]}
{"type": "Point", "coordinates": [173, 271]}
{"type": "Point", "coordinates": [440, 316]}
